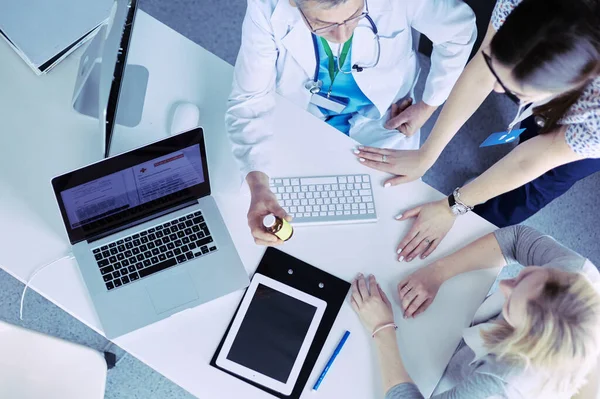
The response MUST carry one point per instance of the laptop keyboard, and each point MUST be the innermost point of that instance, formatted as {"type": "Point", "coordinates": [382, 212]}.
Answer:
{"type": "Point", "coordinates": [150, 251]}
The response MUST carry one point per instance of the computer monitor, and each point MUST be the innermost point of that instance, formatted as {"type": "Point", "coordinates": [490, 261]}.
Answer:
{"type": "Point", "coordinates": [107, 88]}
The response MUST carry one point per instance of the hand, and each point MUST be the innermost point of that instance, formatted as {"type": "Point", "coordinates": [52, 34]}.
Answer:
{"type": "Point", "coordinates": [418, 290]}
{"type": "Point", "coordinates": [434, 220]}
{"type": "Point", "coordinates": [406, 165]}
{"type": "Point", "coordinates": [407, 117]}
{"type": "Point", "coordinates": [263, 203]}
{"type": "Point", "coordinates": [372, 305]}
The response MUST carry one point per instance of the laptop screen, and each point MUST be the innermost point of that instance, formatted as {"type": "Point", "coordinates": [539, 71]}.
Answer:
{"type": "Point", "coordinates": [132, 187]}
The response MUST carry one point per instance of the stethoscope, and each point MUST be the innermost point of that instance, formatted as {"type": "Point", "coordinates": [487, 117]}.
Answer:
{"type": "Point", "coordinates": [314, 85]}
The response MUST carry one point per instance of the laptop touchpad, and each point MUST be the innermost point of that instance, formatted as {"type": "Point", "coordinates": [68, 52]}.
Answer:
{"type": "Point", "coordinates": [171, 291]}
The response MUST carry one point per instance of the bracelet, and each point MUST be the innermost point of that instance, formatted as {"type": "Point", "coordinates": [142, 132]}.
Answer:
{"type": "Point", "coordinates": [382, 327]}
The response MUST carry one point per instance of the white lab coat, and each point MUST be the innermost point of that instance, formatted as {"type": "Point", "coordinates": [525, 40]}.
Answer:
{"type": "Point", "coordinates": [277, 56]}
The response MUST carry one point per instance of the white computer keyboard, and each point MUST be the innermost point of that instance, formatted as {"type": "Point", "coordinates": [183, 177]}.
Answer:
{"type": "Point", "coordinates": [326, 199]}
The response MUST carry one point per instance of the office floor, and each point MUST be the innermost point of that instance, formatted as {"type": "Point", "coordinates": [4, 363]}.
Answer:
{"type": "Point", "coordinates": [573, 219]}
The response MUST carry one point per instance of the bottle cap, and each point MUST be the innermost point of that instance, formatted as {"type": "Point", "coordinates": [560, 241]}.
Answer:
{"type": "Point", "coordinates": [269, 221]}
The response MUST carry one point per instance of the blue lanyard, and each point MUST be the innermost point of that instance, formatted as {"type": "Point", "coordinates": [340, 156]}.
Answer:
{"type": "Point", "coordinates": [316, 47]}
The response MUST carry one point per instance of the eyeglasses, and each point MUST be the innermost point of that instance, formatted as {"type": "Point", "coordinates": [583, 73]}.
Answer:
{"type": "Point", "coordinates": [509, 93]}
{"type": "Point", "coordinates": [329, 28]}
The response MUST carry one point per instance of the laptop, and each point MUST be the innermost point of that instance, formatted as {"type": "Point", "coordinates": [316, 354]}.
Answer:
{"type": "Point", "coordinates": [148, 236]}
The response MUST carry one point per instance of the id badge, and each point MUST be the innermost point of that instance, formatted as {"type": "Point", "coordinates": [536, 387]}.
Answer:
{"type": "Point", "coordinates": [502, 138]}
{"type": "Point", "coordinates": [331, 103]}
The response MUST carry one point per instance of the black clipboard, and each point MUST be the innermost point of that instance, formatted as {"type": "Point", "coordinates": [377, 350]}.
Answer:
{"type": "Point", "coordinates": [276, 264]}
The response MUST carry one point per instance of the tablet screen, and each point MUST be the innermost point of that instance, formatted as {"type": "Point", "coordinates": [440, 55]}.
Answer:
{"type": "Point", "coordinates": [272, 333]}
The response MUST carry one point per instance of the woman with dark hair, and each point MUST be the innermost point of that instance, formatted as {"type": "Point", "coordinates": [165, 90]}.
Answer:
{"type": "Point", "coordinates": [544, 55]}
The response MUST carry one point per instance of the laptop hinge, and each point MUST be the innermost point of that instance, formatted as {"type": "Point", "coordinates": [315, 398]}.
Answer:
{"type": "Point", "coordinates": [140, 221]}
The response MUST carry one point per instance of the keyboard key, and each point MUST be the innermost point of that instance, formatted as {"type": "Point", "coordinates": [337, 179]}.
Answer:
{"type": "Point", "coordinates": [116, 274]}
{"type": "Point", "coordinates": [197, 213]}
{"type": "Point", "coordinates": [140, 257]}
{"type": "Point", "coordinates": [154, 259]}
{"type": "Point", "coordinates": [162, 257]}
{"type": "Point", "coordinates": [103, 262]}
{"type": "Point", "coordinates": [204, 241]}
{"type": "Point", "coordinates": [107, 277]}
{"type": "Point", "coordinates": [105, 254]}
{"type": "Point", "coordinates": [125, 262]}
{"type": "Point", "coordinates": [147, 254]}
{"type": "Point", "coordinates": [106, 270]}
{"type": "Point", "coordinates": [117, 282]}
{"type": "Point", "coordinates": [96, 250]}
{"type": "Point", "coordinates": [212, 249]}
{"type": "Point", "coordinates": [157, 243]}
{"type": "Point", "coordinates": [193, 237]}
{"type": "Point", "coordinates": [144, 240]}
{"type": "Point", "coordinates": [117, 265]}
{"type": "Point", "coordinates": [128, 254]}
{"type": "Point", "coordinates": [152, 230]}
{"type": "Point", "coordinates": [182, 219]}
{"type": "Point", "coordinates": [112, 245]}
{"type": "Point", "coordinates": [170, 246]}
{"type": "Point", "coordinates": [121, 248]}
{"type": "Point", "coordinates": [188, 231]}
{"type": "Point", "coordinates": [159, 234]}
{"type": "Point", "coordinates": [167, 231]}
{"type": "Point", "coordinates": [181, 258]}
{"type": "Point", "coordinates": [185, 240]}
{"type": "Point", "coordinates": [166, 224]}
{"type": "Point", "coordinates": [158, 267]}
{"type": "Point", "coordinates": [132, 260]}
{"type": "Point", "coordinates": [135, 251]}
{"type": "Point", "coordinates": [173, 237]}
{"type": "Point", "coordinates": [170, 254]}
{"type": "Point", "coordinates": [177, 251]}
{"type": "Point", "coordinates": [159, 228]}
{"type": "Point", "coordinates": [147, 263]}
{"type": "Point", "coordinates": [151, 237]}
{"type": "Point", "coordinates": [131, 269]}
{"type": "Point", "coordinates": [136, 243]}
{"type": "Point", "coordinates": [155, 251]}
{"type": "Point", "coordinates": [189, 216]}
{"type": "Point", "coordinates": [192, 245]}
{"type": "Point", "coordinates": [112, 259]}
{"type": "Point", "coordinates": [184, 248]}
{"type": "Point", "coordinates": [109, 285]}
{"type": "Point", "coordinates": [166, 240]}
{"type": "Point", "coordinates": [204, 249]}
{"type": "Point", "coordinates": [128, 239]}
{"type": "Point", "coordinates": [143, 233]}
{"type": "Point", "coordinates": [195, 229]}
{"type": "Point", "coordinates": [139, 265]}
{"type": "Point", "coordinates": [189, 255]}
{"type": "Point", "coordinates": [174, 229]}
{"type": "Point", "coordinates": [177, 243]}
{"type": "Point", "coordinates": [114, 251]}
{"type": "Point", "coordinates": [120, 256]}
{"type": "Point", "coordinates": [189, 223]}
{"type": "Point", "coordinates": [104, 248]}
{"type": "Point", "coordinates": [180, 234]}
{"type": "Point", "coordinates": [128, 245]}
{"type": "Point", "coordinates": [181, 226]}
{"type": "Point", "coordinates": [143, 248]}
{"type": "Point", "coordinates": [134, 276]}
{"type": "Point", "coordinates": [125, 279]}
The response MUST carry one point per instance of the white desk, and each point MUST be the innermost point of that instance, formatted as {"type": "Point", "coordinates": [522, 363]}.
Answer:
{"type": "Point", "coordinates": [43, 137]}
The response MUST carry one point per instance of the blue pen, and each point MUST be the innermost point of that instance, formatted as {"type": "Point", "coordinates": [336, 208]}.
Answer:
{"type": "Point", "coordinates": [331, 359]}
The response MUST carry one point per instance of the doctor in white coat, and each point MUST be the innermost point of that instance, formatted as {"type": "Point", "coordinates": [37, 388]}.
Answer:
{"type": "Point", "coordinates": [350, 63]}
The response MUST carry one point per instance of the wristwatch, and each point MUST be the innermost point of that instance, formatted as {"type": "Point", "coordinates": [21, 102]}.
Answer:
{"type": "Point", "coordinates": [456, 205]}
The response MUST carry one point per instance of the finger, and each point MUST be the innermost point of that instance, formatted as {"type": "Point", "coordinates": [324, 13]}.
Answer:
{"type": "Point", "coordinates": [268, 243]}
{"type": "Point", "coordinates": [383, 167]}
{"type": "Point", "coordinates": [422, 247]}
{"type": "Point", "coordinates": [362, 287]}
{"type": "Point", "coordinates": [380, 151]}
{"type": "Point", "coordinates": [355, 291]}
{"type": "Point", "coordinates": [407, 129]}
{"type": "Point", "coordinates": [409, 214]}
{"type": "Point", "coordinates": [278, 211]}
{"type": "Point", "coordinates": [383, 296]}
{"type": "Point", "coordinates": [373, 287]}
{"type": "Point", "coordinates": [395, 122]}
{"type": "Point", "coordinates": [354, 304]}
{"type": "Point", "coordinates": [407, 102]}
{"type": "Point", "coordinates": [260, 234]}
{"type": "Point", "coordinates": [420, 300]}
{"type": "Point", "coordinates": [372, 156]}
{"type": "Point", "coordinates": [423, 307]}
{"type": "Point", "coordinates": [408, 238]}
{"type": "Point", "coordinates": [434, 244]}
{"type": "Point", "coordinates": [408, 299]}
{"type": "Point", "coordinates": [404, 290]}
{"type": "Point", "coordinates": [394, 110]}
{"type": "Point", "coordinates": [410, 246]}
{"type": "Point", "coordinates": [394, 181]}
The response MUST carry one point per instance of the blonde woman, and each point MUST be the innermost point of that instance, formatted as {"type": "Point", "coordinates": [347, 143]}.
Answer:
{"type": "Point", "coordinates": [538, 337]}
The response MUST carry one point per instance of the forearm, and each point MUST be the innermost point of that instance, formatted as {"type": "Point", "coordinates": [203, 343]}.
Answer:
{"type": "Point", "coordinates": [390, 362]}
{"type": "Point", "coordinates": [481, 254]}
{"type": "Point", "coordinates": [471, 89]}
{"type": "Point", "coordinates": [257, 180]}
{"type": "Point", "coordinates": [523, 164]}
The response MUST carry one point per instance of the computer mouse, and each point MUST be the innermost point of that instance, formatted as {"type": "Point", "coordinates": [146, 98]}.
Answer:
{"type": "Point", "coordinates": [186, 116]}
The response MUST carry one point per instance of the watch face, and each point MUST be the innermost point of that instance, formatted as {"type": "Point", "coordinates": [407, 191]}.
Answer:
{"type": "Point", "coordinates": [458, 209]}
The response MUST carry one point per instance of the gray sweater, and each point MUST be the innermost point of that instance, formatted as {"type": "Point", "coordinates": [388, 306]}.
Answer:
{"type": "Point", "coordinates": [488, 377]}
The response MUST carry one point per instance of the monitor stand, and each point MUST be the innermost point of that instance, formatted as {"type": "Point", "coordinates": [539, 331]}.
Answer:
{"type": "Point", "coordinates": [131, 99]}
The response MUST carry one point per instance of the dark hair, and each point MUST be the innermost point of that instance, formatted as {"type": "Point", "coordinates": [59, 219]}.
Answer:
{"type": "Point", "coordinates": [552, 45]}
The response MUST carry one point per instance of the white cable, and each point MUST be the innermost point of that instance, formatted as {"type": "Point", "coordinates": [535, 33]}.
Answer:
{"type": "Point", "coordinates": [39, 269]}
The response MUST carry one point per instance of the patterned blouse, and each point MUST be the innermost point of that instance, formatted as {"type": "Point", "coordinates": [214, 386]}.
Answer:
{"type": "Point", "coordinates": [583, 118]}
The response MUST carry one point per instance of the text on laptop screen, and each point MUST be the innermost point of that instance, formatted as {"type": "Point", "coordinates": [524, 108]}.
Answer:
{"type": "Point", "coordinates": [148, 185]}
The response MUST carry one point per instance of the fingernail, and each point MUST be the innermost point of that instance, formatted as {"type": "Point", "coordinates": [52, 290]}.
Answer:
{"type": "Point", "coordinates": [399, 250]}
{"type": "Point", "coordinates": [400, 259]}
{"type": "Point", "coordinates": [423, 256]}
{"type": "Point", "coordinates": [399, 217]}
{"type": "Point", "coordinates": [360, 147]}
{"type": "Point", "coordinates": [409, 259]}
{"type": "Point", "coordinates": [356, 152]}
{"type": "Point", "coordinates": [361, 159]}
{"type": "Point", "coordinates": [387, 185]}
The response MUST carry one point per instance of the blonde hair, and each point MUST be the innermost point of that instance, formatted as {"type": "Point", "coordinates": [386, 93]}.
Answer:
{"type": "Point", "coordinates": [560, 336]}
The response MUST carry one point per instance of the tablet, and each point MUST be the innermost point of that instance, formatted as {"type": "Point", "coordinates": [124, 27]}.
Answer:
{"type": "Point", "coordinates": [271, 334]}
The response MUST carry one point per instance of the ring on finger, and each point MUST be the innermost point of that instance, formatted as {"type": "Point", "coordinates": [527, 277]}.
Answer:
{"type": "Point", "coordinates": [427, 241]}
{"type": "Point", "coordinates": [384, 158]}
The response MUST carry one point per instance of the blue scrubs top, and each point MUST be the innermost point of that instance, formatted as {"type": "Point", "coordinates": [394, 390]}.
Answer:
{"type": "Point", "coordinates": [344, 86]}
